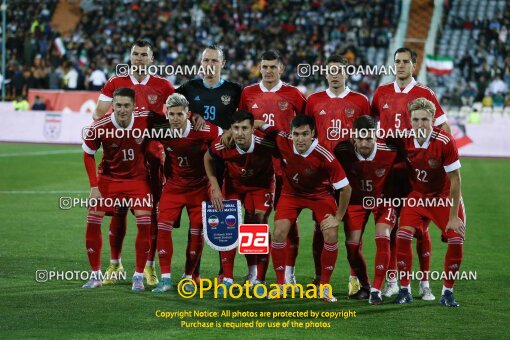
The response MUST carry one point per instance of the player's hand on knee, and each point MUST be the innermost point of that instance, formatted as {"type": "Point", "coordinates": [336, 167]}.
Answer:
{"type": "Point", "coordinates": [217, 199]}
{"type": "Point", "coordinates": [329, 222]}
{"type": "Point", "coordinates": [457, 226]}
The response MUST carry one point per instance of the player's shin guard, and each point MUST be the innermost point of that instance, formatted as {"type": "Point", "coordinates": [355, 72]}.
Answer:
{"type": "Point", "coordinates": [423, 249]}
{"type": "Point", "coordinates": [292, 245]}
{"type": "Point", "coordinates": [227, 263]}
{"type": "Point", "coordinates": [117, 232]}
{"type": "Point", "coordinates": [405, 255]}
{"type": "Point", "coordinates": [453, 259]}
{"type": "Point", "coordinates": [195, 250]}
{"type": "Point", "coordinates": [278, 252]}
{"type": "Point", "coordinates": [317, 245]}
{"type": "Point", "coordinates": [94, 240]}
{"type": "Point", "coordinates": [153, 236]}
{"type": "Point", "coordinates": [357, 262]}
{"type": "Point", "coordinates": [328, 261]}
{"type": "Point", "coordinates": [382, 258]}
{"type": "Point", "coordinates": [165, 247]}
{"type": "Point", "coordinates": [392, 266]}
{"type": "Point", "coordinates": [142, 243]}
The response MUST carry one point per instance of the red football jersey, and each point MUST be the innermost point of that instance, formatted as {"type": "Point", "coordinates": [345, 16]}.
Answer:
{"type": "Point", "coordinates": [430, 162]}
{"type": "Point", "coordinates": [369, 177]}
{"type": "Point", "coordinates": [150, 94]}
{"type": "Point", "coordinates": [276, 107]}
{"type": "Point", "coordinates": [390, 105]}
{"type": "Point", "coordinates": [184, 168]}
{"type": "Point", "coordinates": [123, 154]}
{"type": "Point", "coordinates": [309, 174]}
{"type": "Point", "coordinates": [334, 115]}
{"type": "Point", "coordinates": [247, 170]}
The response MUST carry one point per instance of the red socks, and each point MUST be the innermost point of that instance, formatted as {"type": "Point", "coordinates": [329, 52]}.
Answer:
{"type": "Point", "coordinates": [278, 252]}
{"type": "Point", "coordinates": [117, 232]}
{"type": "Point", "coordinates": [142, 243]}
{"type": "Point", "coordinates": [165, 247]}
{"type": "Point", "coordinates": [292, 245]}
{"type": "Point", "coordinates": [227, 263]}
{"type": "Point", "coordinates": [357, 261]}
{"type": "Point", "coordinates": [94, 240]}
{"type": "Point", "coordinates": [195, 250]}
{"type": "Point", "coordinates": [453, 259]}
{"type": "Point", "coordinates": [153, 236]}
{"type": "Point", "coordinates": [423, 249]}
{"type": "Point", "coordinates": [318, 243]}
{"type": "Point", "coordinates": [382, 259]}
{"type": "Point", "coordinates": [328, 261]}
{"type": "Point", "coordinates": [405, 254]}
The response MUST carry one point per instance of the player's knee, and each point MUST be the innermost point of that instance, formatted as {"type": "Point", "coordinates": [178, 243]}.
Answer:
{"type": "Point", "coordinates": [330, 235]}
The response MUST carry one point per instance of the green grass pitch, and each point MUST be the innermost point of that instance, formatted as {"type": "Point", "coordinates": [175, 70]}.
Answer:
{"type": "Point", "coordinates": [36, 234]}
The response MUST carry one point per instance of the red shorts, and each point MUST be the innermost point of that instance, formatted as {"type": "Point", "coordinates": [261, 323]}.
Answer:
{"type": "Point", "coordinates": [356, 217]}
{"type": "Point", "coordinates": [135, 192]}
{"type": "Point", "coordinates": [289, 207]}
{"type": "Point", "coordinates": [258, 199]}
{"type": "Point", "coordinates": [172, 203]}
{"type": "Point", "coordinates": [420, 217]}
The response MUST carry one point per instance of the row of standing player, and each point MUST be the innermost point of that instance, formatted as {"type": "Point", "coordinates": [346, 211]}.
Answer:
{"type": "Point", "coordinates": [276, 103]}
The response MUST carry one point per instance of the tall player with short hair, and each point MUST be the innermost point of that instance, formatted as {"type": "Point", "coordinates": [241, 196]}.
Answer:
{"type": "Point", "coordinates": [186, 187]}
{"type": "Point", "coordinates": [122, 175]}
{"type": "Point", "coordinates": [334, 112]}
{"type": "Point", "coordinates": [390, 106]}
{"type": "Point", "coordinates": [276, 103]}
{"type": "Point", "coordinates": [309, 170]}
{"type": "Point", "coordinates": [214, 98]}
{"type": "Point", "coordinates": [433, 158]}
{"type": "Point", "coordinates": [249, 177]}
{"type": "Point", "coordinates": [151, 91]}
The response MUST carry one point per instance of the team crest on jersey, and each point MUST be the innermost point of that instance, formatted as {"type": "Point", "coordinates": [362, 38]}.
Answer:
{"type": "Point", "coordinates": [434, 163]}
{"type": "Point", "coordinates": [152, 98]}
{"type": "Point", "coordinates": [349, 112]}
{"type": "Point", "coordinates": [380, 172]}
{"type": "Point", "coordinates": [139, 140]}
{"type": "Point", "coordinates": [283, 105]}
{"type": "Point", "coordinates": [225, 99]}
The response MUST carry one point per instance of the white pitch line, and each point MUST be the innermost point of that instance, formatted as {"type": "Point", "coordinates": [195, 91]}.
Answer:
{"type": "Point", "coordinates": [40, 153]}
{"type": "Point", "coordinates": [42, 192]}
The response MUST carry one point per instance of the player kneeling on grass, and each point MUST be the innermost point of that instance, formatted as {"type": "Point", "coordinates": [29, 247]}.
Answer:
{"type": "Point", "coordinates": [434, 160]}
{"type": "Point", "coordinates": [249, 177]}
{"type": "Point", "coordinates": [368, 164]}
{"type": "Point", "coordinates": [122, 175]}
{"type": "Point", "coordinates": [307, 166]}
{"type": "Point", "coordinates": [186, 187]}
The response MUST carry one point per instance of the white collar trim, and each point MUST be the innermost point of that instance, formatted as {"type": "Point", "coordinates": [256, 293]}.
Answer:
{"type": "Point", "coordinates": [274, 89]}
{"type": "Point", "coordinates": [408, 88]}
{"type": "Point", "coordinates": [307, 152]}
{"type": "Point", "coordinates": [143, 82]}
{"type": "Point", "coordinates": [370, 157]}
{"type": "Point", "coordinates": [250, 149]}
{"type": "Point", "coordinates": [117, 125]}
{"type": "Point", "coordinates": [342, 95]}
{"type": "Point", "coordinates": [188, 128]}
{"type": "Point", "coordinates": [425, 144]}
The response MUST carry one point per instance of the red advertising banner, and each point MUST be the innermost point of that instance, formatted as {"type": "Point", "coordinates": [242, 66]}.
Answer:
{"type": "Point", "coordinates": [66, 101]}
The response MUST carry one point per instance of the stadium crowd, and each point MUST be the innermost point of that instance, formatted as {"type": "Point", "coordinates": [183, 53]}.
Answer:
{"type": "Point", "coordinates": [304, 31]}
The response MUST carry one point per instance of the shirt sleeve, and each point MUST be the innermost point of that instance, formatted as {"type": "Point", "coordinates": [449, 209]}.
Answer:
{"type": "Point", "coordinates": [299, 103]}
{"type": "Point", "coordinates": [440, 115]}
{"type": "Point", "coordinates": [451, 160]}
{"type": "Point", "coordinates": [90, 141]}
{"type": "Point", "coordinates": [107, 91]}
{"type": "Point", "coordinates": [337, 175]}
{"type": "Point", "coordinates": [242, 101]}
{"type": "Point", "coordinates": [374, 108]}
